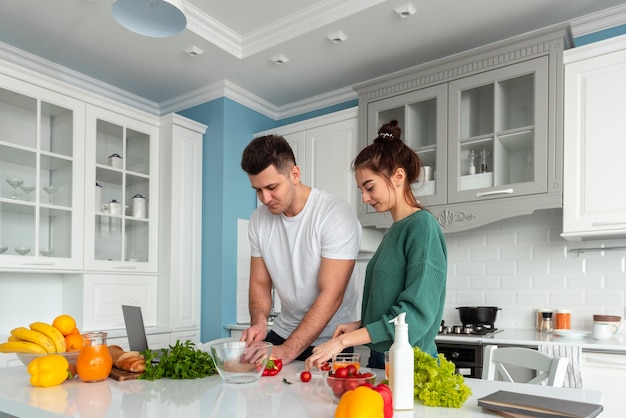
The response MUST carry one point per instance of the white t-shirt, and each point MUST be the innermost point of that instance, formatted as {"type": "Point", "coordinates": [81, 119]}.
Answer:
{"type": "Point", "coordinates": [292, 247]}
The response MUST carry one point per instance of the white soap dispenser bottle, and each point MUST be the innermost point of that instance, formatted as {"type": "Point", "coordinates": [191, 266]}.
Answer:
{"type": "Point", "coordinates": [401, 366]}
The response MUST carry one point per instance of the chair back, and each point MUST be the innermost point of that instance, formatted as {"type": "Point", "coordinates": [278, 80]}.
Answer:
{"type": "Point", "coordinates": [498, 360]}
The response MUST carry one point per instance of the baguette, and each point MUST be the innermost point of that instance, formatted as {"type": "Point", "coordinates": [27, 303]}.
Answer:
{"type": "Point", "coordinates": [116, 351]}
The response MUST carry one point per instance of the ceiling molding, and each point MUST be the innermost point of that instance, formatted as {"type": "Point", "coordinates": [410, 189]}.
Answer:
{"type": "Point", "coordinates": [49, 75]}
{"type": "Point", "coordinates": [304, 21]}
{"type": "Point", "coordinates": [213, 31]}
{"type": "Point", "coordinates": [595, 22]}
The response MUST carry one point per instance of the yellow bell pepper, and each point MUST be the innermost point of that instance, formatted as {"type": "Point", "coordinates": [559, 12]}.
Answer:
{"type": "Point", "coordinates": [362, 402]}
{"type": "Point", "coordinates": [50, 370]}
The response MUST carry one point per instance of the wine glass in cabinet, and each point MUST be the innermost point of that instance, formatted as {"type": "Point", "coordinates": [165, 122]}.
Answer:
{"type": "Point", "coordinates": [39, 151]}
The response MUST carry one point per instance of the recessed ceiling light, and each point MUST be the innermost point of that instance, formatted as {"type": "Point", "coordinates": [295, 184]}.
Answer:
{"type": "Point", "coordinates": [279, 59]}
{"type": "Point", "coordinates": [193, 51]}
{"type": "Point", "coordinates": [337, 37]}
{"type": "Point", "coordinates": [405, 10]}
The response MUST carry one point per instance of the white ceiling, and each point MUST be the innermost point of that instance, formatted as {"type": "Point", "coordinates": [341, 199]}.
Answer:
{"type": "Point", "coordinates": [240, 36]}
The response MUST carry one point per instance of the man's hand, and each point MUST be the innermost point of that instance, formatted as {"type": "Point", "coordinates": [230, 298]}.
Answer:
{"type": "Point", "coordinates": [256, 332]}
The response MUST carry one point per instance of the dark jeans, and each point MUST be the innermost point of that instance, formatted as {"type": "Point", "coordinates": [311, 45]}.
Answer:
{"type": "Point", "coordinates": [376, 360]}
{"type": "Point", "coordinates": [276, 339]}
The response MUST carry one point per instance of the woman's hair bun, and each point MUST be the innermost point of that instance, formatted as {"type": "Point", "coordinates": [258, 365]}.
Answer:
{"type": "Point", "coordinates": [389, 131]}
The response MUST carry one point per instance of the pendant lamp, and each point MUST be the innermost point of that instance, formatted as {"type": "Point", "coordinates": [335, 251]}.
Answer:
{"type": "Point", "coordinates": [153, 18]}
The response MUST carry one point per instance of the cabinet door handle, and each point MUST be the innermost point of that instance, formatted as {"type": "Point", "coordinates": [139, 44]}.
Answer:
{"type": "Point", "coordinates": [601, 361]}
{"type": "Point", "coordinates": [125, 267]}
{"type": "Point", "coordinates": [607, 223]}
{"type": "Point", "coordinates": [503, 191]}
{"type": "Point", "coordinates": [43, 263]}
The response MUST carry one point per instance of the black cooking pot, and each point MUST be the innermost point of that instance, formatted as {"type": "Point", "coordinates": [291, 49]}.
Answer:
{"type": "Point", "coordinates": [478, 315]}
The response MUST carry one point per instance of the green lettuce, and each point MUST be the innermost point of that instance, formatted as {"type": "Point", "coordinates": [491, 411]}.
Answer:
{"type": "Point", "coordinates": [436, 382]}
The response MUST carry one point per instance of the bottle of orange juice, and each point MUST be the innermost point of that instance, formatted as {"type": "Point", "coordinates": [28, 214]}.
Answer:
{"type": "Point", "coordinates": [94, 361]}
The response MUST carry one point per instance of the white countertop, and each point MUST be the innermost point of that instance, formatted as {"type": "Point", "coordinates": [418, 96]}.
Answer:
{"type": "Point", "coordinates": [209, 397]}
{"type": "Point", "coordinates": [532, 338]}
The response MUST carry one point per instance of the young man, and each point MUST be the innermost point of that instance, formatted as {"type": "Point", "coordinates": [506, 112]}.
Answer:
{"type": "Point", "coordinates": [304, 242]}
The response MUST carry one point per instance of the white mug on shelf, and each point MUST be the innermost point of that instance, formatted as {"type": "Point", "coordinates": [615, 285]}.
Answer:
{"type": "Point", "coordinates": [426, 174]}
{"type": "Point", "coordinates": [116, 161]}
{"type": "Point", "coordinates": [139, 206]}
{"type": "Point", "coordinates": [113, 207]}
{"type": "Point", "coordinates": [602, 331]}
{"type": "Point", "coordinates": [98, 197]}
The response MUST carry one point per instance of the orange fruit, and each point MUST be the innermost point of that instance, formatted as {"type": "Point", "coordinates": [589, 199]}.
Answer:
{"type": "Point", "coordinates": [64, 323]}
{"type": "Point", "coordinates": [74, 341]}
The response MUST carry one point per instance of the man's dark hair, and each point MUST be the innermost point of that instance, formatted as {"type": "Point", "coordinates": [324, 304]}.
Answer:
{"type": "Point", "coordinates": [267, 150]}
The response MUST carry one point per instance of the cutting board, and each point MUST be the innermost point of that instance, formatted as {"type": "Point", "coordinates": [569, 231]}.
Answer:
{"type": "Point", "coordinates": [118, 374]}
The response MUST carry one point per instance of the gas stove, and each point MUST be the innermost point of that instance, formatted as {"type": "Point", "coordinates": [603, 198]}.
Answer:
{"type": "Point", "coordinates": [470, 330]}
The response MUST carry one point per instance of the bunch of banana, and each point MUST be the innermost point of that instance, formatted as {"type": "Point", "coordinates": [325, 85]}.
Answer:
{"type": "Point", "coordinates": [41, 338]}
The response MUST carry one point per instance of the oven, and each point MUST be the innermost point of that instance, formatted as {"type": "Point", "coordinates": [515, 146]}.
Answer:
{"type": "Point", "coordinates": [467, 357]}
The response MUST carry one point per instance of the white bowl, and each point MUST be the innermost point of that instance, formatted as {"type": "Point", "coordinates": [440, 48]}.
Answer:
{"type": "Point", "coordinates": [46, 252]}
{"type": "Point", "coordinates": [22, 250]}
{"type": "Point", "coordinates": [237, 362]}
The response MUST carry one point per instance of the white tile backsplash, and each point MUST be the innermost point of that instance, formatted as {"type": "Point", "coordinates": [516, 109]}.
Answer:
{"type": "Point", "coordinates": [521, 265]}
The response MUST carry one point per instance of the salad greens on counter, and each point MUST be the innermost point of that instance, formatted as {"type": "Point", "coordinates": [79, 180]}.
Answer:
{"type": "Point", "coordinates": [436, 382]}
{"type": "Point", "coordinates": [181, 361]}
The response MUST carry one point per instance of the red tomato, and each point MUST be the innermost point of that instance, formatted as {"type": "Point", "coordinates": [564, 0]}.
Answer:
{"type": "Point", "coordinates": [351, 384]}
{"type": "Point", "coordinates": [351, 369]}
{"type": "Point", "coordinates": [341, 372]}
{"type": "Point", "coordinates": [337, 387]}
{"type": "Point", "coordinates": [305, 376]}
{"type": "Point", "coordinates": [325, 367]}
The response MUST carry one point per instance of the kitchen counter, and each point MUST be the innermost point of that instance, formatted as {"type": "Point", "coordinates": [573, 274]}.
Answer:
{"type": "Point", "coordinates": [532, 338]}
{"type": "Point", "coordinates": [209, 397]}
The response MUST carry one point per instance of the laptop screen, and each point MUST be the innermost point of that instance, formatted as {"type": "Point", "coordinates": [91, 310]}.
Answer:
{"type": "Point", "coordinates": [135, 329]}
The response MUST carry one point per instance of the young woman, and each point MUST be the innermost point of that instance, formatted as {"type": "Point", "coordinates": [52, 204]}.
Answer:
{"type": "Point", "coordinates": [408, 271]}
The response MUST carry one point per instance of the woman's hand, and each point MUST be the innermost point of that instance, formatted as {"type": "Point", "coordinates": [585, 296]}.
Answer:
{"type": "Point", "coordinates": [345, 328]}
{"type": "Point", "coordinates": [323, 353]}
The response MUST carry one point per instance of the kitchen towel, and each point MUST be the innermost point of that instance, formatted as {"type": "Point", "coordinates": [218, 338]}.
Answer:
{"type": "Point", "coordinates": [573, 378]}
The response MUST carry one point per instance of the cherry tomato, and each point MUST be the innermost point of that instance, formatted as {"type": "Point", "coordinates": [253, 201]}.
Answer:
{"type": "Point", "coordinates": [351, 369]}
{"type": "Point", "coordinates": [351, 384]}
{"type": "Point", "coordinates": [305, 376]}
{"type": "Point", "coordinates": [325, 367]}
{"type": "Point", "coordinates": [341, 372]}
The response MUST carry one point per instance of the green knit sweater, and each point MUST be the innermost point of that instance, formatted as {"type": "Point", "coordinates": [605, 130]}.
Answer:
{"type": "Point", "coordinates": [406, 274]}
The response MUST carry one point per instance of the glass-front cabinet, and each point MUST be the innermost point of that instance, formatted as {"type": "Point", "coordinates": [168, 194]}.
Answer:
{"type": "Point", "coordinates": [121, 219]}
{"type": "Point", "coordinates": [422, 116]}
{"type": "Point", "coordinates": [498, 135]}
{"type": "Point", "coordinates": [486, 126]}
{"type": "Point", "coordinates": [41, 167]}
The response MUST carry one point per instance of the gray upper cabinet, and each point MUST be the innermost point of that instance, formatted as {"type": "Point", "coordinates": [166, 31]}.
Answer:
{"type": "Point", "coordinates": [487, 125]}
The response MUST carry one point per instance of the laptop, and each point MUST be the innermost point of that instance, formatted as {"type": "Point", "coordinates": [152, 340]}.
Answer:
{"type": "Point", "coordinates": [136, 331]}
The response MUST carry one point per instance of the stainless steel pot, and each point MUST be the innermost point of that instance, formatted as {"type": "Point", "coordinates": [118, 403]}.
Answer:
{"type": "Point", "coordinates": [478, 315]}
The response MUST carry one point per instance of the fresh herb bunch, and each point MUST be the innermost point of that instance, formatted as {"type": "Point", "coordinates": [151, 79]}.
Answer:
{"type": "Point", "coordinates": [181, 361]}
{"type": "Point", "coordinates": [436, 382]}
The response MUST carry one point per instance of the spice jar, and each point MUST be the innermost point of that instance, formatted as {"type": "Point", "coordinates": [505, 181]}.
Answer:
{"type": "Point", "coordinates": [546, 322]}
{"type": "Point", "coordinates": [540, 317]}
{"type": "Point", "coordinates": [94, 362]}
{"type": "Point", "coordinates": [563, 319]}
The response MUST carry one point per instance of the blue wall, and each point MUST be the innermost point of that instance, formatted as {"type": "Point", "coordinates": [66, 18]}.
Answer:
{"type": "Point", "coordinates": [227, 195]}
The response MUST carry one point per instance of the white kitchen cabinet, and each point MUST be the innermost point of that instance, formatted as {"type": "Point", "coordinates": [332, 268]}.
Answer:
{"type": "Point", "coordinates": [595, 86]}
{"type": "Point", "coordinates": [95, 300]}
{"type": "Point", "coordinates": [41, 165]}
{"type": "Point", "coordinates": [487, 124]}
{"type": "Point", "coordinates": [606, 372]}
{"type": "Point", "coordinates": [180, 232]}
{"type": "Point", "coordinates": [324, 148]}
{"type": "Point", "coordinates": [117, 237]}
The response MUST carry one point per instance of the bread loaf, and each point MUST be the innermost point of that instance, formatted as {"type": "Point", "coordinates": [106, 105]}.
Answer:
{"type": "Point", "coordinates": [130, 361]}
